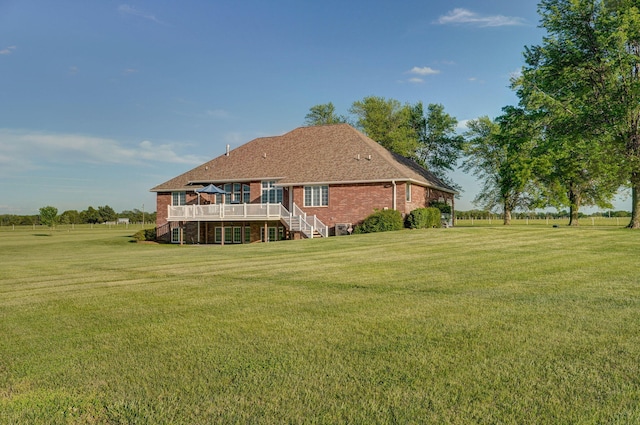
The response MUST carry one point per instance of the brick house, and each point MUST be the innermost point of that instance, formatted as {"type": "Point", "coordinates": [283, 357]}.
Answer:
{"type": "Point", "coordinates": [310, 182]}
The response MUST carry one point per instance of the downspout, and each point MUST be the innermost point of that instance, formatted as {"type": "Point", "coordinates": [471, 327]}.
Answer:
{"type": "Point", "coordinates": [393, 182]}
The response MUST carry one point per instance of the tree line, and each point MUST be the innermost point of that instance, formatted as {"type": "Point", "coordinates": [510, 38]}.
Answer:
{"type": "Point", "coordinates": [572, 140]}
{"type": "Point", "coordinates": [91, 215]}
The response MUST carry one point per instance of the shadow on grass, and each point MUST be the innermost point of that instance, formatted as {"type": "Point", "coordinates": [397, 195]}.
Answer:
{"type": "Point", "coordinates": [42, 234]}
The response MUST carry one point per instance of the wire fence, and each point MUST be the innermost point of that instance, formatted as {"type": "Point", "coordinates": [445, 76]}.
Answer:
{"type": "Point", "coordinates": [584, 221]}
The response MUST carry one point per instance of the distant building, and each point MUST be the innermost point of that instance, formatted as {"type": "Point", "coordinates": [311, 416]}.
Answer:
{"type": "Point", "coordinates": [310, 182]}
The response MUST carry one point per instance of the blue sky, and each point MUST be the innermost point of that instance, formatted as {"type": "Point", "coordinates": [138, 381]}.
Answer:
{"type": "Point", "coordinates": [102, 100]}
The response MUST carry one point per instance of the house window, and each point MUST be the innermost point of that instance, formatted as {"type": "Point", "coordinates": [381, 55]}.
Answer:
{"type": "Point", "coordinates": [237, 193]}
{"type": "Point", "coordinates": [232, 234]}
{"type": "Point", "coordinates": [179, 198]}
{"type": "Point", "coordinates": [237, 235]}
{"type": "Point", "coordinates": [229, 189]}
{"type": "Point", "coordinates": [246, 193]}
{"type": "Point", "coordinates": [408, 191]}
{"type": "Point", "coordinates": [316, 196]}
{"type": "Point", "coordinates": [270, 193]}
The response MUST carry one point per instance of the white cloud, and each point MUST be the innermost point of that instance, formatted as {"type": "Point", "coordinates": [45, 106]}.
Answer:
{"type": "Point", "coordinates": [423, 71]}
{"type": "Point", "coordinates": [416, 80]}
{"type": "Point", "coordinates": [462, 125]}
{"type": "Point", "coordinates": [125, 9]}
{"type": "Point", "coordinates": [465, 16]}
{"type": "Point", "coordinates": [514, 75]}
{"type": "Point", "coordinates": [217, 113]}
{"type": "Point", "coordinates": [26, 149]}
{"type": "Point", "coordinates": [130, 71]}
{"type": "Point", "coordinates": [7, 50]}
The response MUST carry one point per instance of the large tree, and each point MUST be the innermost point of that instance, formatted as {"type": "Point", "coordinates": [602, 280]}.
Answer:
{"type": "Point", "coordinates": [439, 146]}
{"type": "Point", "coordinates": [500, 154]}
{"type": "Point", "coordinates": [428, 138]}
{"type": "Point", "coordinates": [574, 172]}
{"type": "Point", "coordinates": [587, 70]}
{"type": "Point", "coordinates": [323, 114]}
{"type": "Point", "coordinates": [389, 123]}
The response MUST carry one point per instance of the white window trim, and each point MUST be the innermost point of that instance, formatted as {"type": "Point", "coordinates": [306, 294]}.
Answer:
{"type": "Point", "coordinates": [324, 189]}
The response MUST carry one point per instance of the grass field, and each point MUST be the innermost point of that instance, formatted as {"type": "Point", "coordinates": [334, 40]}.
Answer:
{"type": "Point", "coordinates": [521, 325]}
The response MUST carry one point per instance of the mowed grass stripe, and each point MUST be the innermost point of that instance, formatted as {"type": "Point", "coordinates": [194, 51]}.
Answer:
{"type": "Point", "coordinates": [489, 325]}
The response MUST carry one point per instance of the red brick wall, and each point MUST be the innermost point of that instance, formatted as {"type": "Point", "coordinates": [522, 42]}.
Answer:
{"type": "Point", "coordinates": [256, 192]}
{"type": "Point", "coordinates": [353, 203]}
{"type": "Point", "coordinates": [349, 203]}
{"type": "Point", "coordinates": [163, 200]}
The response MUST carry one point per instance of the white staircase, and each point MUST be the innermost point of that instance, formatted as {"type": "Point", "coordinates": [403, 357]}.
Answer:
{"type": "Point", "coordinates": [309, 226]}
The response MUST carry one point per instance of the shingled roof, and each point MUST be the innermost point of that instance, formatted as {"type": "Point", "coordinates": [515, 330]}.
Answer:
{"type": "Point", "coordinates": [329, 154]}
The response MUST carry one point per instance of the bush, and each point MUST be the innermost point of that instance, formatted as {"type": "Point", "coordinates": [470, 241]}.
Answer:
{"type": "Point", "coordinates": [145, 235]}
{"type": "Point", "coordinates": [381, 221]}
{"type": "Point", "coordinates": [442, 206]}
{"type": "Point", "coordinates": [424, 218]}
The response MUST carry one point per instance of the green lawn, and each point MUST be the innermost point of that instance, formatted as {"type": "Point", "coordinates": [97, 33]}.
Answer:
{"type": "Point", "coordinates": [529, 324]}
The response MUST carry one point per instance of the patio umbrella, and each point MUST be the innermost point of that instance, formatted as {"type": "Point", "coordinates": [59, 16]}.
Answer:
{"type": "Point", "coordinates": [211, 189]}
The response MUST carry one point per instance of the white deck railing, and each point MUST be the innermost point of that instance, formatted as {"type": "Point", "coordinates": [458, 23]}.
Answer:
{"type": "Point", "coordinates": [296, 220]}
{"type": "Point", "coordinates": [216, 212]}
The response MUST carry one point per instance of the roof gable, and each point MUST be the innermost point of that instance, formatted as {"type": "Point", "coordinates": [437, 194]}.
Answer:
{"type": "Point", "coordinates": [308, 155]}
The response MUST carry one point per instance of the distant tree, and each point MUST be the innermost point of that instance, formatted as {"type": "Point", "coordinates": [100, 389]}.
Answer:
{"type": "Point", "coordinates": [90, 215]}
{"type": "Point", "coordinates": [28, 220]}
{"type": "Point", "coordinates": [323, 114]}
{"type": "Point", "coordinates": [70, 217]}
{"type": "Point", "coordinates": [106, 213]}
{"type": "Point", "coordinates": [48, 216]}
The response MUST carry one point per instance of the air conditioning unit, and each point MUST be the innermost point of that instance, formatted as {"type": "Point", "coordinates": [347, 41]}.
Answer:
{"type": "Point", "coordinates": [343, 229]}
